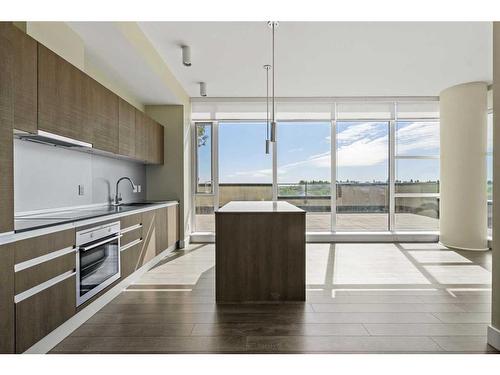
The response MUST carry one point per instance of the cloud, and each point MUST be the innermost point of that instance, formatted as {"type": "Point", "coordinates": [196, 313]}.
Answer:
{"type": "Point", "coordinates": [417, 136]}
{"type": "Point", "coordinates": [358, 145]}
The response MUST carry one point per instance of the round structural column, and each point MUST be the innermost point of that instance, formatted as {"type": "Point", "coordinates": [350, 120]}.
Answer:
{"type": "Point", "coordinates": [463, 203]}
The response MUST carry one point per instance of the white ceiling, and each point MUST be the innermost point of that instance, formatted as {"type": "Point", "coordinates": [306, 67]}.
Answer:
{"type": "Point", "coordinates": [113, 54]}
{"type": "Point", "coordinates": [326, 58]}
{"type": "Point", "coordinates": [312, 58]}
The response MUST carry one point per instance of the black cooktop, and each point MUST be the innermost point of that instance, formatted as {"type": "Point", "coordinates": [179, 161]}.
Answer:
{"type": "Point", "coordinates": [37, 221]}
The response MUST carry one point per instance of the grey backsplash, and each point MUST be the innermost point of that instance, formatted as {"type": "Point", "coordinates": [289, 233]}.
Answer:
{"type": "Point", "coordinates": [47, 177]}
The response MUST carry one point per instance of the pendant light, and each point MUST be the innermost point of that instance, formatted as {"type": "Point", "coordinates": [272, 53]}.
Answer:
{"type": "Point", "coordinates": [273, 25]}
{"type": "Point", "coordinates": [268, 140]}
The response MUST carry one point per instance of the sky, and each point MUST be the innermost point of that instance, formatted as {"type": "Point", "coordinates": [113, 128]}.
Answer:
{"type": "Point", "coordinates": [304, 152]}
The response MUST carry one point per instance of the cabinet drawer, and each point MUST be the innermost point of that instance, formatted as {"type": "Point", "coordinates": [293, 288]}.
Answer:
{"type": "Point", "coordinates": [41, 313]}
{"type": "Point", "coordinates": [131, 235]}
{"type": "Point", "coordinates": [40, 273]}
{"type": "Point", "coordinates": [130, 220]}
{"type": "Point", "coordinates": [130, 259]}
{"type": "Point", "coordinates": [37, 246]}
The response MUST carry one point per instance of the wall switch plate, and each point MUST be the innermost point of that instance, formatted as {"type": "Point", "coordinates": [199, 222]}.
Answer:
{"type": "Point", "coordinates": [81, 190]}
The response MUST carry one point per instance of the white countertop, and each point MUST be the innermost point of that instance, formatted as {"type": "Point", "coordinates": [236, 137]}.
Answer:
{"type": "Point", "coordinates": [13, 237]}
{"type": "Point", "coordinates": [259, 206]}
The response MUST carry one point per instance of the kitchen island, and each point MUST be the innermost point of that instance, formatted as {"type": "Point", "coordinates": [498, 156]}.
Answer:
{"type": "Point", "coordinates": [260, 252]}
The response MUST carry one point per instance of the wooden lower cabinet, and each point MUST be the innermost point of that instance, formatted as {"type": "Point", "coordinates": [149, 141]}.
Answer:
{"type": "Point", "coordinates": [172, 225]}
{"type": "Point", "coordinates": [130, 259]}
{"type": "Point", "coordinates": [42, 245]}
{"type": "Point", "coordinates": [38, 315]}
{"type": "Point", "coordinates": [7, 300]}
{"type": "Point", "coordinates": [148, 245]}
{"type": "Point", "coordinates": [161, 230]}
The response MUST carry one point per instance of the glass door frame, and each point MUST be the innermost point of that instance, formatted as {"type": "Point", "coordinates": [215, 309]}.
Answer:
{"type": "Point", "coordinates": [392, 159]}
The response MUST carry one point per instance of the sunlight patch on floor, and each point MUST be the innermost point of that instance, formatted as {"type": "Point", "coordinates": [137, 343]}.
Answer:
{"type": "Point", "coordinates": [374, 264]}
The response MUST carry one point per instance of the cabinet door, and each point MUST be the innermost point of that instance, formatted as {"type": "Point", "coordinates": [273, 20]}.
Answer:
{"type": "Point", "coordinates": [24, 51]}
{"type": "Point", "coordinates": [7, 299]}
{"type": "Point", "coordinates": [148, 245]}
{"type": "Point", "coordinates": [140, 136]}
{"type": "Point", "coordinates": [41, 313]}
{"type": "Point", "coordinates": [130, 260]}
{"type": "Point", "coordinates": [159, 151]}
{"type": "Point", "coordinates": [6, 124]}
{"type": "Point", "coordinates": [173, 225]}
{"type": "Point", "coordinates": [161, 230]}
{"type": "Point", "coordinates": [104, 114]}
{"type": "Point", "coordinates": [150, 140]}
{"type": "Point", "coordinates": [126, 129]}
{"type": "Point", "coordinates": [63, 97]}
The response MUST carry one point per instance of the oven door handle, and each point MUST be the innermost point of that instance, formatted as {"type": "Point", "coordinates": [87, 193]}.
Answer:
{"type": "Point", "coordinates": [111, 239]}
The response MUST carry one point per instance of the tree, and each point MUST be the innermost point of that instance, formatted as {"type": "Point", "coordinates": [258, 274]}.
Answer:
{"type": "Point", "coordinates": [201, 135]}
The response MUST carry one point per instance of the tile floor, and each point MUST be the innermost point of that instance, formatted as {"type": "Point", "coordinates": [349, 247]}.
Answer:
{"type": "Point", "coordinates": [361, 298]}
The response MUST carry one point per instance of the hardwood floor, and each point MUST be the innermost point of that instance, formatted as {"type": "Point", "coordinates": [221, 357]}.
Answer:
{"type": "Point", "coordinates": [361, 298]}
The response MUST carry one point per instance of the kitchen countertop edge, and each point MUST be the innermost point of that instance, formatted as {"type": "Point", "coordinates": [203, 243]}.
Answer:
{"type": "Point", "coordinates": [9, 237]}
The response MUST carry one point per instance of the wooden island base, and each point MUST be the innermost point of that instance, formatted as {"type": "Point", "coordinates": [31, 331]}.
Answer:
{"type": "Point", "coordinates": [260, 252]}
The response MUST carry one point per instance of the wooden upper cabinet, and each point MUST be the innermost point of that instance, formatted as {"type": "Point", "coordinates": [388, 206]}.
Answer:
{"type": "Point", "coordinates": [126, 128]}
{"type": "Point", "coordinates": [63, 97]}
{"type": "Point", "coordinates": [154, 142]}
{"type": "Point", "coordinates": [6, 124]}
{"type": "Point", "coordinates": [159, 145]}
{"type": "Point", "coordinates": [103, 110]}
{"type": "Point", "coordinates": [140, 136]}
{"type": "Point", "coordinates": [24, 51]}
{"type": "Point", "coordinates": [151, 140]}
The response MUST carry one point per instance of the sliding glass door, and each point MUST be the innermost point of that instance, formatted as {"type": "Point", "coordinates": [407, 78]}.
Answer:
{"type": "Point", "coordinates": [304, 170]}
{"type": "Point", "coordinates": [371, 167]}
{"type": "Point", "coordinates": [245, 170]}
{"type": "Point", "coordinates": [362, 176]}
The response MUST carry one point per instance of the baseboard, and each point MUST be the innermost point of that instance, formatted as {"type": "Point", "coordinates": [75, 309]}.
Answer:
{"type": "Point", "coordinates": [184, 243]}
{"type": "Point", "coordinates": [64, 330]}
{"type": "Point", "coordinates": [494, 337]}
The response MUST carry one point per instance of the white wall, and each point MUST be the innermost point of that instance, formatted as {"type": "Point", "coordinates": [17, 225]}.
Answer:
{"type": "Point", "coordinates": [48, 177]}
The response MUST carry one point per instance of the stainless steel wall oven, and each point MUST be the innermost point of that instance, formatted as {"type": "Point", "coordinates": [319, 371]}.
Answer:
{"type": "Point", "coordinates": [97, 259]}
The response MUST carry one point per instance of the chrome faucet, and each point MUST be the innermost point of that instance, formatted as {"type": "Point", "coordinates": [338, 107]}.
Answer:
{"type": "Point", "coordinates": [118, 196]}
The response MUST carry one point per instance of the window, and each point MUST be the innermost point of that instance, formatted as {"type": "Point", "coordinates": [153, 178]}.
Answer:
{"type": "Point", "coordinates": [416, 205]}
{"type": "Point", "coordinates": [204, 186]}
{"type": "Point", "coordinates": [304, 170]}
{"type": "Point", "coordinates": [362, 176]}
{"type": "Point", "coordinates": [489, 170]}
{"type": "Point", "coordinates": [204, 179]}
{"type": "Point", "coordinates": [245, 170]}
{"type": "Point", "coordinates": [352, 166]}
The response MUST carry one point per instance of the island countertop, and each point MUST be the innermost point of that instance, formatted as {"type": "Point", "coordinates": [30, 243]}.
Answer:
{"type": "Point", "coordinates": [259, 206]}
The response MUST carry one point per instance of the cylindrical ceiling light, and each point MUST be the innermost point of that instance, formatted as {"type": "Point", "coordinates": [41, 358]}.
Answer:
{"type": "Point", "coordinates": [186, 55]}
{"type": "Point", "coordinates": [273, 25]}
{"type": "Point", "coordinates": [268, 140]}
{"type": "Point", "coordinates": [203, 89]}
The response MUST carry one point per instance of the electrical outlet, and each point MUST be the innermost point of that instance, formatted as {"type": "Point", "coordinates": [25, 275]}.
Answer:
{"type": "Point", "coordinates": [81, 190]}
{"type": "Point", "coordinates": [139, 188]}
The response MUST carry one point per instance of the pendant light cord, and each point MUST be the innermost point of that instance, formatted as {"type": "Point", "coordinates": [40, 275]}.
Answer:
{"type": "Point", "coordinates": [273, 67]}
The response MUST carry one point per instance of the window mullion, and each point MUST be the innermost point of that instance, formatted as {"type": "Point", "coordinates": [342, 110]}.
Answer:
{"type": "Point", "coordinates": [392, 174]}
